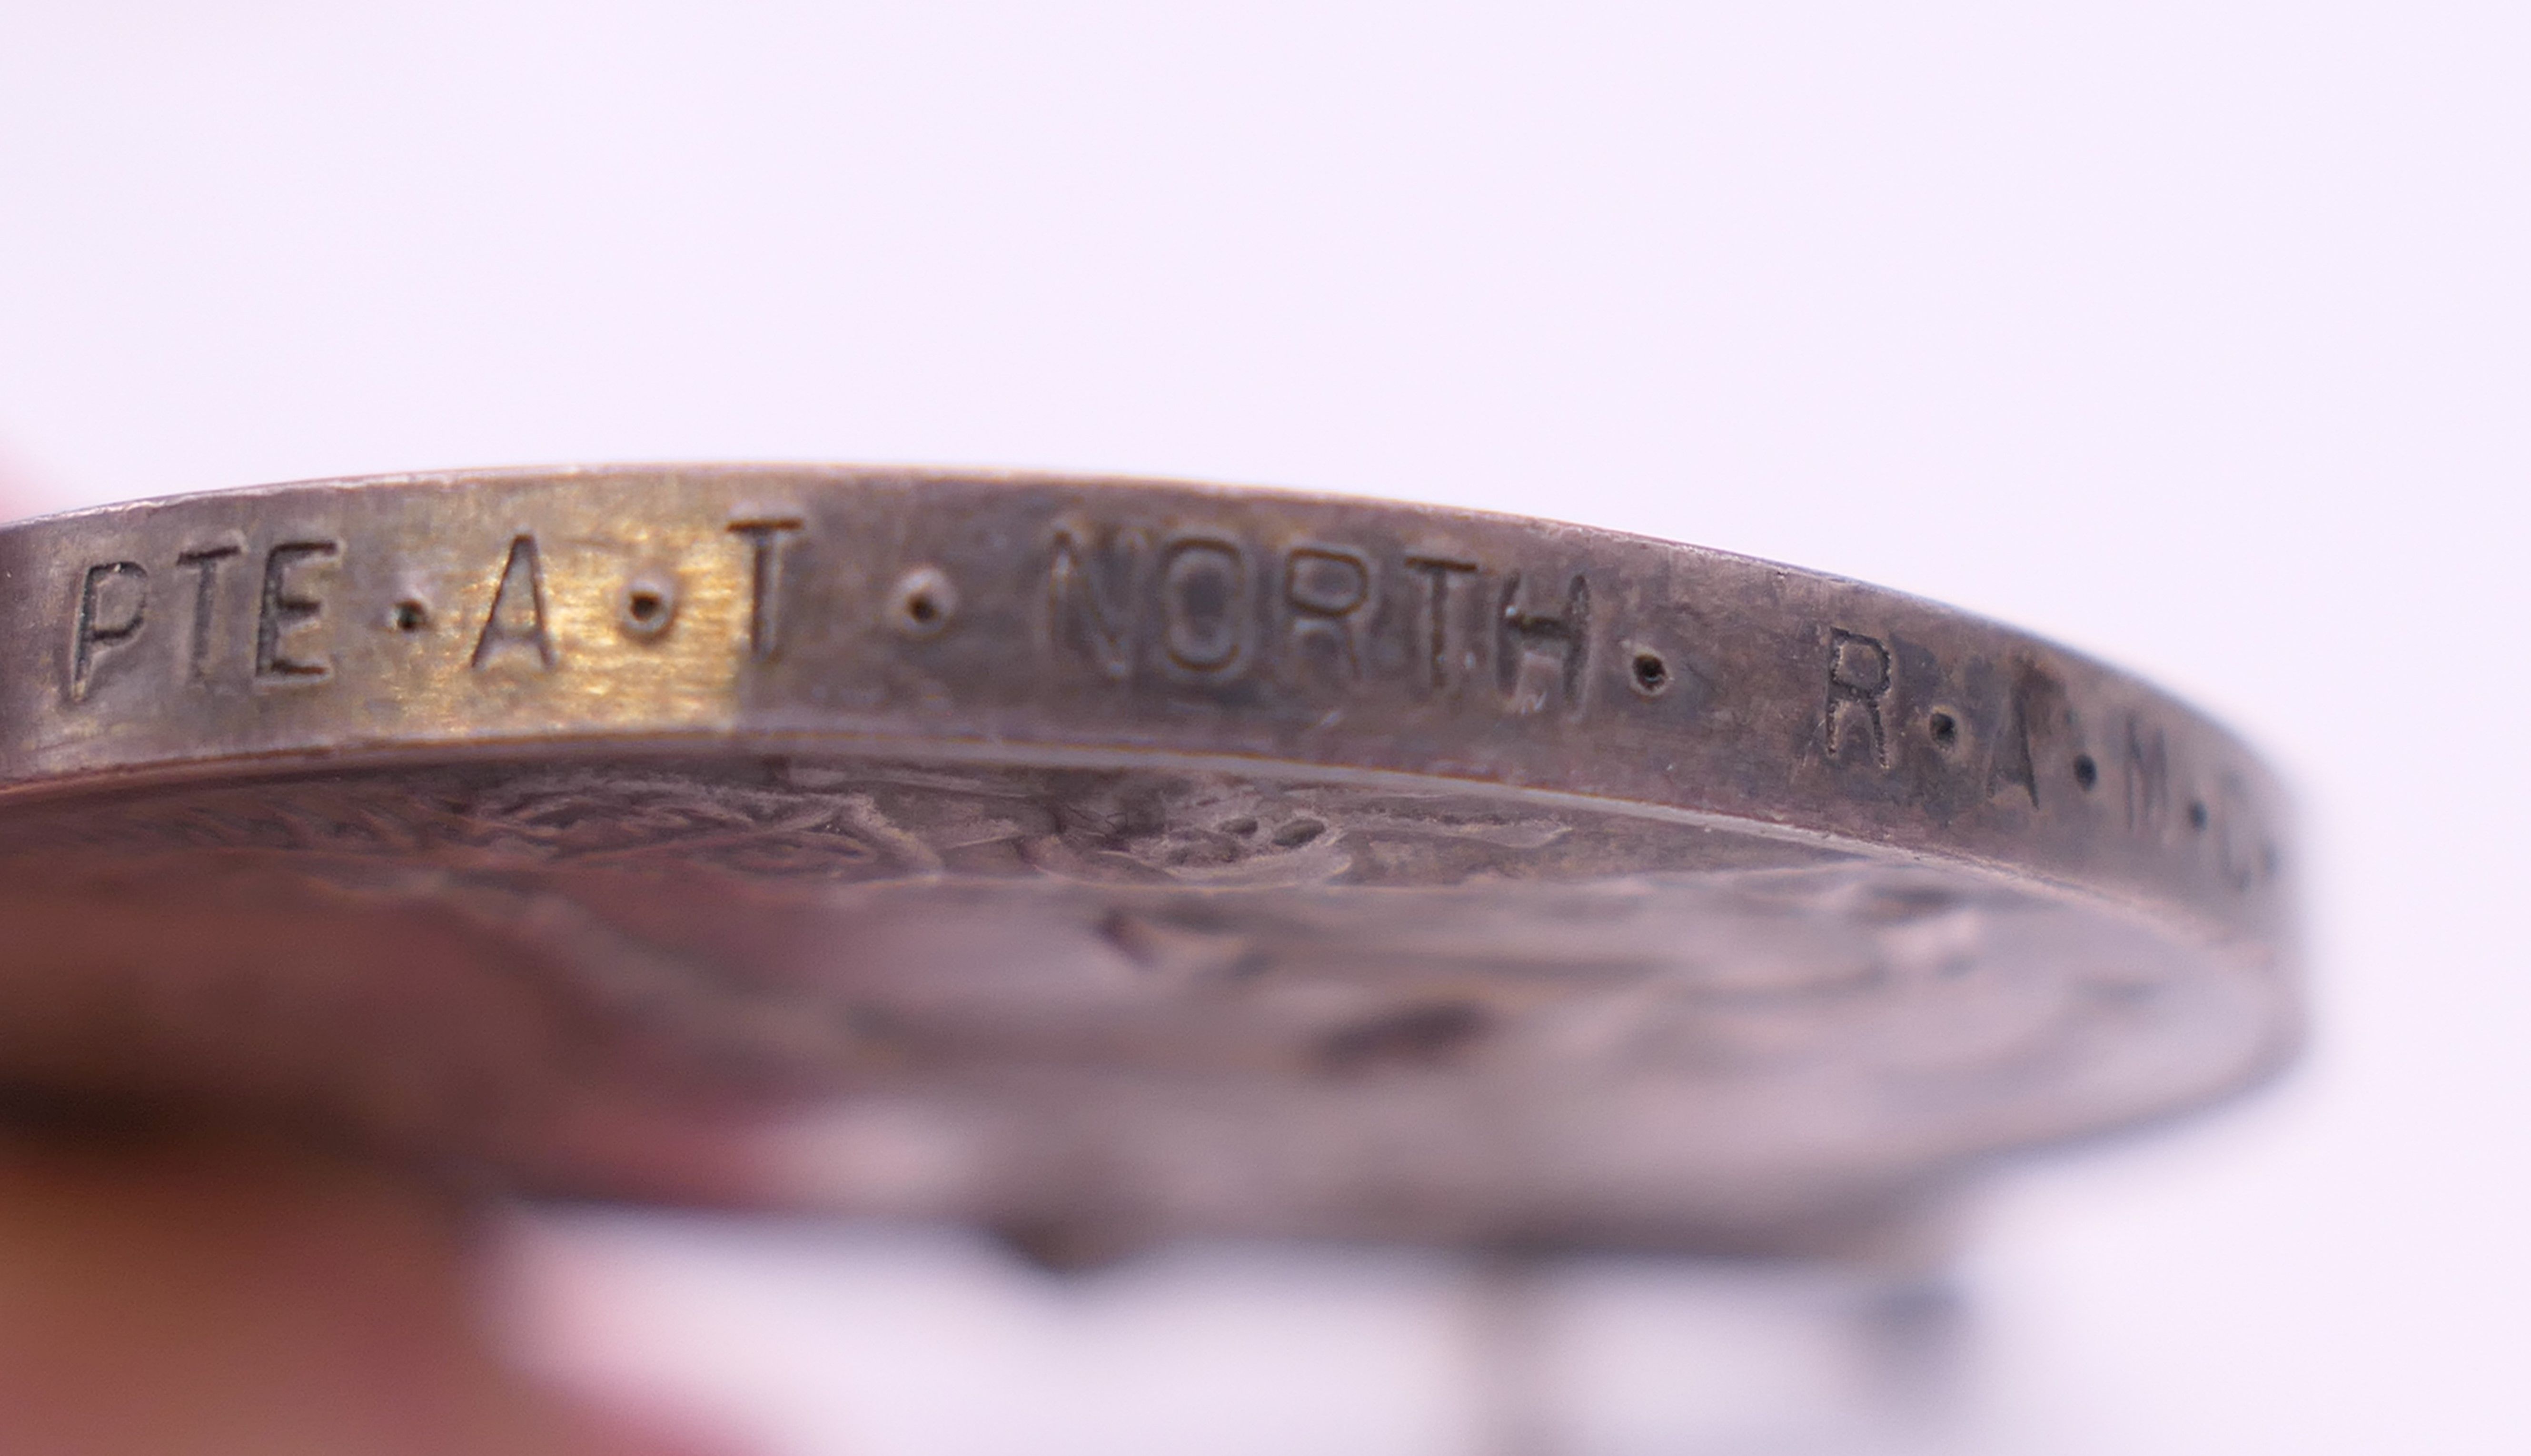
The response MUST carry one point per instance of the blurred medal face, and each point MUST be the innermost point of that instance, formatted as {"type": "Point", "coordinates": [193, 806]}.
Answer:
{"type": "Point", "coordinates": [1099, 854]}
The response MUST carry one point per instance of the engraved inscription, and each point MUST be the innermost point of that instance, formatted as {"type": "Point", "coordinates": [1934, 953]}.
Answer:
{"type": "Point", "coordinates": [516, 624]}
{"type": "Point", "coordinates": [766, 539]}
{"type": "Point", "coordinates": [113, 605]}
{"type": "Point", "coordinates": [2241, 857]}
{"type": "Point", "coordinates": [288, 613]}
{"type": "Point", "coordinates": [1858, 678]}
{"type": "Point", "coordinates": [1327, 599]}
{"type": "Point", "coordinates": [1092, 590]}
{"type": "Point", "coordinates": [1391, 648]}
{"type": "Point", "coordinates": [1438, 571]}
{"type": "Point", "coordinates": [2031, 710]}
{"type": "Point", "coordinates": [2148, 777]}
{"type": "Point", "coordinates": [1208, 606]}
{"type": "Point", "coordinates": [922, 604]}
{"type": "Point", "coordinates": [1526, 641]}
{"type": "Point", "coordinates": [1648, 672]}
{"type": "Point", "coordinates": [206, 562]}
{"type": "Point", "coordinates": [646, 607]}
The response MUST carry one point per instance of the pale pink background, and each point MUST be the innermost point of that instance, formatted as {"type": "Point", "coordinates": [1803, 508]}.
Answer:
{"type": "Point", "coordinates": [2193, 334]}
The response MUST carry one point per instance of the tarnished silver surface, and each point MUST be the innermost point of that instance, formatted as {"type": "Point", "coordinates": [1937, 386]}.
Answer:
{"type": "Point", "coordinates": [1100, 857]}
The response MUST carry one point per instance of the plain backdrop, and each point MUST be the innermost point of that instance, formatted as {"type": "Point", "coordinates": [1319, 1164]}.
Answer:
{"type": "Point", "coordinates": [2194, 335]}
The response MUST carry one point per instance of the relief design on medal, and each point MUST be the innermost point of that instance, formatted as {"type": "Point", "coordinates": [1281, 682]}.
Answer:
{"type": "Point", "coordinates": [781, 821]}
{"type": "Point", "coordinates": [1614, 945]}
